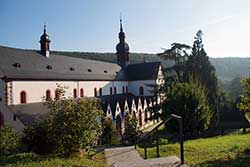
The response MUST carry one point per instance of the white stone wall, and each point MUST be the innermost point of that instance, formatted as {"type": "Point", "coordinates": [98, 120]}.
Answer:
{"type": "Point", "coordinates": [134, 86]}
{"type": "Point", "coordinates": [35, 90]}
{"type": "Point", "coordinates": [7, 114]}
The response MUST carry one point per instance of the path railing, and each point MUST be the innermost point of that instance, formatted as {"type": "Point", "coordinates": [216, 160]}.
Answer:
{"type": "Point", "coordinates": [143, 138]}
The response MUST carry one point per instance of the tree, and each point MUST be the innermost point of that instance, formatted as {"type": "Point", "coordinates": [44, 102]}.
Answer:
{"type": "Point", "coordinates": [109, 133]}
{"type": "Point", "coordinates": [74, 124]}
{"type": "Point", "coordinates": [131, 129]}
{"type": "Point", "coordinates": [9, 140]}
{"type": "Point", "coordinates": [244, 104]}
{"type": "Point", "coordinates": [189, 101]}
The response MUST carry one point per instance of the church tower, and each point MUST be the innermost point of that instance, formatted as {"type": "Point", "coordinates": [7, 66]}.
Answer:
{"type": "Point", "coordinates": [122, 49]}
{"type": "Point", "coordinates": [44, 43]}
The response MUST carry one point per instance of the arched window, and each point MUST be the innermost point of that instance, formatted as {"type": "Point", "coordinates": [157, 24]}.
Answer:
{"type": "Point", "coordinates": [123, 90]}
{"type": "Point", "coordinates": [1, 119]}
{"type": "Point", "coordinates": [81, 92]}
{"type": "Point", "coordinates": [57, 94]}
{"type": "Point", "coordinates": [48, 95]}
{"type": "Point", "coordinates": [115, 91]}
{"type": "Point", "coordinates": [126, 89]}
{"type": "Point", "coordinates": [23, 98]}
{"type": "Point", "coordinates": [75, 93]}
{"type": "Point", "coordinates": [100, 91]}
{"type": "Point", "coordinates": [141, 91]}
{"type": "Point", "coordinates": [95, 92]}
{"type": "Point", "coordinates": [111, 90]}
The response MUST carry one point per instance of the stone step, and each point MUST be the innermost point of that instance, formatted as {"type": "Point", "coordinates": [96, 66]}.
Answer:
{"type": "Point", "coordinates": [129, 157]}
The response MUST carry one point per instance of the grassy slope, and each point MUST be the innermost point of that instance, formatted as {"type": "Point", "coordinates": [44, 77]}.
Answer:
{"type": "Point", "coordinates": [231, 150]}
{"type": "Point", "coordinates": [32, 160]}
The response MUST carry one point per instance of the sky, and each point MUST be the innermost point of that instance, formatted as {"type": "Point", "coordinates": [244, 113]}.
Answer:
{"type": "Point", "coordinates": [150, 25]}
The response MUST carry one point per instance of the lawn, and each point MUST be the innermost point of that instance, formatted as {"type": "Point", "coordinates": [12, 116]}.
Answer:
{"type": "Point", "coordinates": [33, 160]}
{"type": "Point", "coordinates": [223, 151]}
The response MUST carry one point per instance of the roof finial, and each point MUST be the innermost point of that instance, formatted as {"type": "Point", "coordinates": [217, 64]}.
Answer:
{"type": "Point", "coordinates": [121, 22]}
{"type": "Point", "coordinates": [44, 28]}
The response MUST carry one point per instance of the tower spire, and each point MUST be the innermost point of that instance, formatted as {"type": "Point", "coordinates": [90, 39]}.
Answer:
{"type": "Point", "coordinates": [44, 28]}
{"type": "Point", "coordinates": [121, 22]}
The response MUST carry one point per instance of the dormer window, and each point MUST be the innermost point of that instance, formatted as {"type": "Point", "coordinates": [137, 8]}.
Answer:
{"type": "Point", "coordinates": [72, 69]}
{"type": "Point", "coordinates": [105, 71]}
{"type": "Point", "coordinates": [49, 67]}
{"type": "Point", "coordinates": [89, 70]}
{"type": "Point", "coordinates": [17, 65]}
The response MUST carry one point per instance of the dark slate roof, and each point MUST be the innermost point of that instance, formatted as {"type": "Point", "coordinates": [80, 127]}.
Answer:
{"type": "Point", "coordinates": [29, 113]}
{"type": "Point", "coordinates": [30, 64]}
{"type": "Point", "coordinates": [142, 71]}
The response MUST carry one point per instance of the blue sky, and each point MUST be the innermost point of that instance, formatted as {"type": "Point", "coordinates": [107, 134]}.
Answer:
{"type": "Point", "coordinates": [93, 25]}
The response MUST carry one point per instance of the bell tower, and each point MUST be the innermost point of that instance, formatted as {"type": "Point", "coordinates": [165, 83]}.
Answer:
{"type": "Point", "coordinates": [122, 49]}
{"type": "Point", "coordinates": [44, 43]}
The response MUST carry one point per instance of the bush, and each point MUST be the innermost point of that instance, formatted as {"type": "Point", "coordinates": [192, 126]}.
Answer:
{"type": "Point", "coordinates": [189, 101]}
{"type": "Point", "coordinates": [9, 140]}
{"type": "Point", "coordinates": [36, 138]}
{"type": "Point", "coordinates": [74, 125]}
{"type": "Point", "coordinates": [131, 129]}
{"type": "Point", "coordinates": [110, 135]}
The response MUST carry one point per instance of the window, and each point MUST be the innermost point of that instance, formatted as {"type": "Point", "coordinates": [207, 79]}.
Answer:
{"type": "Point", "coordinates": [95, 92]}
{"type": "Point", "coordinates": [81, 92]}
{"type": "Point", "coordinates": [123, 90]}
{"type": "Point", "coordinates": [141, 91]}
{"type": "Point", "coordinates": [146, 115]}
{"type": "Point", "coordinates": [57, 94]}
{"type": "Point", "coordinates": [14, 117]}
{"type": "Point", "coordinates": [1, 119]}
{"type": "Point", "coordinates": [100, 91]}
{"type": "Point", "coordinates": [115, 91]}
{"type": "Point", "coordinates": [126, 89]}
{"type": "Point", "coordinates": [23, 97]}
{"type": "Point", "coordinates": [48, 95]}
{"type": "Point", "coordinates": [75, 93]}
{"type": "Point", "coordinates": [111, 91]}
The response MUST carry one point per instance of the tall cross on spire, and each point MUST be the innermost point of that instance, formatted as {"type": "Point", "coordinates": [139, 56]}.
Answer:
{"type": "Point", "coordinates": [121, 22]}
{"type": "Point", "coordinates": [44, 28]}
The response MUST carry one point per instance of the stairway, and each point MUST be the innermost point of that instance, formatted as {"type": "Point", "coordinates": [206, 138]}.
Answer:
{"type": "Point", "coordinates": [129, 157]}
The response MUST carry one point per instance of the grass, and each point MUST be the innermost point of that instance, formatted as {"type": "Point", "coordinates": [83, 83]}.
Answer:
{"type": "Point", "coordinates": [225, 151]}
{"type": "Point", "coordinates": [33, 160]}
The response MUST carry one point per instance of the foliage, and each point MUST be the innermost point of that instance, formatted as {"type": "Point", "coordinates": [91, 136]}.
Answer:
{"type": "Point", "coordinates": [131, 129]}
{"type": "Point", "coordinates": [189, 101]}
{"type": "Point", "coordinates": [223, 151]}
{"type": "Point", "coordinates": [74, 125]}
{"type": "Point", "coordinates": [198, 64]}
{"type": "Point", "coordinates": [110, 135]}
{"type": "Point", "coordinates": [244, 104]}
{"type": "Point", "coordinates": [9, 140]}
{"type": "Point", "coordinates": [36, 138]}
{"type": "Point", "coordinates": [34, 160]}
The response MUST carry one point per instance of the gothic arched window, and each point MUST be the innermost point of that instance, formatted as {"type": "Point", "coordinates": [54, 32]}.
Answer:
{"type": "Point", "coordinates": [115, 91]}
{"type": "Point", "coordinates": [111, 90]}
{"type": "Point", "coordinates": [57, 94]}
{"type": "Point", "coordinates": [95, 92]}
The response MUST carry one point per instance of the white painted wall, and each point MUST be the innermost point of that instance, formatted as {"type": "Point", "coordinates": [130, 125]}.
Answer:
{"type": "Point", "coordinates": [35, 90]}
{"type": "Point", "coordinates": [134, 86]}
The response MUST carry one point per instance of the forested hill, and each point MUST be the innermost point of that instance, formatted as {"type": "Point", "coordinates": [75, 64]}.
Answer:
{"type": "Point", "coordinates": [226, 68]}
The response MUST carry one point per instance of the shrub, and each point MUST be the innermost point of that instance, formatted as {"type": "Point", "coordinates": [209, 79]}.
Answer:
{"type": "Point", "coordinates": [9, 140]}
{"type": "Point", "coordinates": [110, 135]}
{"type": "Point", "coordinates": [36, 138]}
{"type": "Point", "coordinates": [189, 101]}
{"type": "Point", "coordinates": [131, 129]}
{"type": "Point", "coordinates": [74, 125]}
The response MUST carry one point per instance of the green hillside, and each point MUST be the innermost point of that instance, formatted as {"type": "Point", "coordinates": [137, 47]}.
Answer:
{"type": "Point", "coordinates": [226, 68]}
